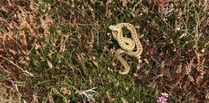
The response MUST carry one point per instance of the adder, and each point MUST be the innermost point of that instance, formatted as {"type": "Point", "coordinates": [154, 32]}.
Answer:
{"type": "Point", "coordinates": [129, 46]}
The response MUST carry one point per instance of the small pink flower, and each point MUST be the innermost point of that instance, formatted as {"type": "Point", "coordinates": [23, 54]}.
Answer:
{"type": "Point", "coordinates": [163, 98]}
{"type": "Point", "coordinates": [12, 82]}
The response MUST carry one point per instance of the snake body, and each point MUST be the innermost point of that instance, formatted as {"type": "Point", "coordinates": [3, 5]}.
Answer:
{"type": "Point", "coordinates": [130, 46]}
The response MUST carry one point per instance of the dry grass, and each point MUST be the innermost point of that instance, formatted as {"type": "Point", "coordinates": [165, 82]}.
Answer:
{"type": "Point", "coordinates": [59, 51]}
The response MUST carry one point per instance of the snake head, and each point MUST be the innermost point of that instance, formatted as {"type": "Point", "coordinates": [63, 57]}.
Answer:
{"type": "Point", "coordinates": [113, 28]}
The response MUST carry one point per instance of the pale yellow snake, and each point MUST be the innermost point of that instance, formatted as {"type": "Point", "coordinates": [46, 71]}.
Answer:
{"type": "Point", "coordinates": [130, 46]}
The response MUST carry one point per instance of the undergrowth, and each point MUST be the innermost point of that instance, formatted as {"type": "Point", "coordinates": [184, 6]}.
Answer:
{"type": "Point", "coordinates": [62, 51]}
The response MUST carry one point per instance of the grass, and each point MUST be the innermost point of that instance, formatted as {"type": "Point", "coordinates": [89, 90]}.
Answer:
{"type": "Point", "coordinates": [62, 51]}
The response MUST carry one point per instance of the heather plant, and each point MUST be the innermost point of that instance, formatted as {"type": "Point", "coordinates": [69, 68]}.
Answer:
{"type": "Point", "coordinates": [63, 51]}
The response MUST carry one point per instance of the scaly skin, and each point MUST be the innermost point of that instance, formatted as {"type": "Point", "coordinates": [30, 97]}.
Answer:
{"type": "Point", "coordinates": [127, 44]}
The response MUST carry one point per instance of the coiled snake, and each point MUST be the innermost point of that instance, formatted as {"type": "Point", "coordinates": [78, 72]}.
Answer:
{"type": "Point", "coordinates": [129, 46]}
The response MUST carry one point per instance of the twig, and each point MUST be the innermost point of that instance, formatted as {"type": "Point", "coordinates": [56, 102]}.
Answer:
{"type": "Point", "coordinates": [89, 94]}
{"type": "Point", "coordinates": [24, 71]}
